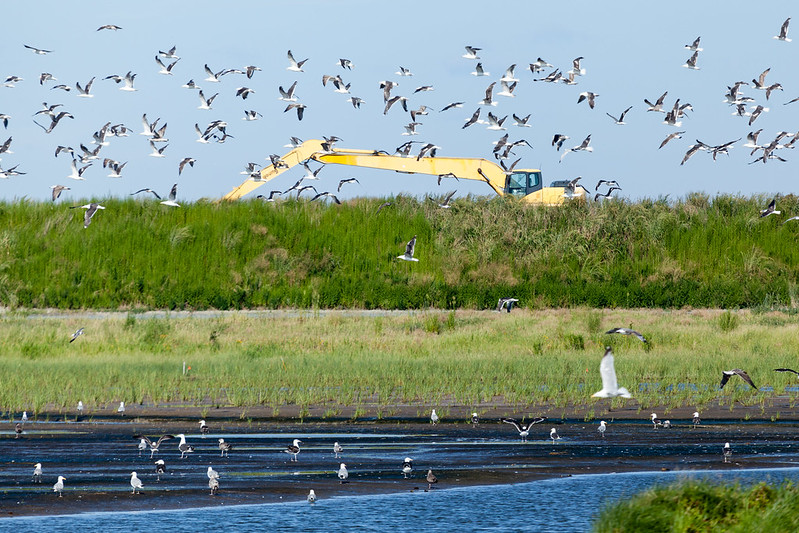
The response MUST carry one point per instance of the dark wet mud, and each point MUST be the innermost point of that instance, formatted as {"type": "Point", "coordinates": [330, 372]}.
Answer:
{"type": "Point", "coordinates": [97, 458]}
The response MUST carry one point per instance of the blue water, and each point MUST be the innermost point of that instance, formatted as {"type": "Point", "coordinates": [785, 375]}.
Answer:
{"type": "Point", "coordinates": [563, 505]}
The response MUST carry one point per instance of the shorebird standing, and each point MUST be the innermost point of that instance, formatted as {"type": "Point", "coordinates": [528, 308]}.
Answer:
{"type": "Point", "coordinates": [407, 467]}
{"type": "Point", "coordinates": [183, 447]}
{"type": "Point", "coordinates": [135, 482]}
{"type": "Point", "coordinates": [37, 473]}
{"type": "Point", "coordinates": [80, 407]}
{"type": "Point", "coordinates": [213, 484]}
{"type": "Point", "coordinates": [121, 408]}
{"type": "Point", "coordinates": [293, 449]}
{"type": "Point", "coordinates": [553, 434]}
{"type": "Point", "coordinates": [697, 420]}
{"type": "Point", "coordinates": [337, 449]}
{"type": "Point", "coordinates": [17, 430]}
{"type": "Point", "coordinates": [602, 427]}
{"type": "Point", "coordinates": [431, 478]}
{"type": "Point", "coordinates": [726, 452]}
{"type": "Point", "coordinates": [142, 446]}
{"type": "Point", "coordinates": [224, 447]}
{"type": "Point", "coordinates": [655, 420]}
{"type": "Point", "coordinates": [311, 497]}
{"type": "Point", "coordinates": [160, 468]}
{"type": "Point", "coordinates": [203, 428]}
{"type": "Point", "coordinates": [475, 419]}
{"type": "Point", "coordinates": [342, 473]}
{"type": "Point", "coordinates": [433, 417]}
{"type": "Point", "coordinates": [59, 485]}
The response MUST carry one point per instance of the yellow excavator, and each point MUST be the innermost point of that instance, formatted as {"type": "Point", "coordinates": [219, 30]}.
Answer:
{"type": "Point", "coordinates": [525, 183]}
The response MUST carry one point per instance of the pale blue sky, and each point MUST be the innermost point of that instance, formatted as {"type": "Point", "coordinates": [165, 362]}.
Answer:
{"type": "Point", "coordinates": [630, 53]}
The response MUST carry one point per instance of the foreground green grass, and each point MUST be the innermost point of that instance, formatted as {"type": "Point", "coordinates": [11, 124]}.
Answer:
{"type": "Point", "coordinates": [700, 252]}
{"type": "Point", "coordinates": [434, 358]}
{"type": "Point", "coordinates": [704, 507]}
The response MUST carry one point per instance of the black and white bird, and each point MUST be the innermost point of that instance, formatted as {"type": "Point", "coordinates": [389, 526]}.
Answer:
{"type": "Point", "coordinates": [38, 51]}
{"type": "Point", "coordinates": [37, 473]}
{"type": "Point", "coordinates": [170, 201]}
{"type": "Point", "coordinates": [446, 203]}
{"type": "Point", "coordinates": [337, 449]}
{"type": "Point", "coordinates": [694, 47]}
{"type": "Point", "coordinates": [183, 446]}
{"type": "Point", "coordinates": [294, 65]}
{"type": "Point", "coordinates": [620, 119]}
{"type": "Point", "coordinates": [409, 249]}
{"type": "Point", "coordinates": [185, 161]}
{"type": "Point", "coordinates": [558, 139]}
{"type": "Point", "coordinates": [342, 473]}
{"type": "Point", "coordinates": [727, 374]}
{"type": "Point", "coordinates": [786, 370]}
{"type": "Point", "coordinates": [160, 468]}
{"type": "Point", "coordinates": [626, 331]}
{"type": "Point", "coordinates": [345, 181]}
{"type": "Point", "coordinates": [783, 35]}
{"type": "Point", "coordinates": [582, 147]}
{"type": "Point", "coordinates": [211, 473]}
{"type": "Point", "coordinates": [213, 485]}
{"type": "Point", "coordinates": [690, 63]}
{"type": "Point", "coordinates": [589, 96]}
{"type": "Point", "coordinates": [224, 448]}
{"type": "Point", "coordinates": [610, 386]}
{"type": "Point", "coordinates": [553, 434]}
{"type": "Point", "coordinates": [203, 427]}
{"type": "Point", "coordinates": [726, 452]}
{"type": "Point", "coordinates": [293, 449]}
{"type": "Point", "coordinates": [75, 335]}
{"type": "Point", "coordinates": [311, 496]}
{"type": "Point", "coordinates": [771, 209]}
{"type": "Point", "coordinates": [91, 209]}
{"type": "Point", "coordinates": [696, 419]}
{"type": "Point", "coordinates": [506, 303]}
{"type": "Point", "coordinates": [603, 426]}
{"type": "Point", "coordinates": [471, 52]}
{"type": "Point", "coordinates": [655, 420]}
{"type": "Point", "coordinates": [675, 135]}
{"type": "Point", "coordinates": [17, 430]}
{"type": "Point", "coordinates": [658, 105]}
{"type": "Point", "coordinates": [153, 445]}
{"type": "Point", "coordinates": [524, 429]}
{"type": "Point", "coordinates": [475, 420]}
{"type": "Point", "coordinates": [407, 467]}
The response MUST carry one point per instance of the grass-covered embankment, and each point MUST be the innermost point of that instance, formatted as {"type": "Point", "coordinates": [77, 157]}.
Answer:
{"type": "Point", "coordinates": [700, 506]}
{"type": "Point", "coordinates": [530, 361]}
{"type": "Point", "coordinates": [699, 252]}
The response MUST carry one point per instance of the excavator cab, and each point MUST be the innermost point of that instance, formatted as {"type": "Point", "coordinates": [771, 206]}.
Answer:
{"type": "Point", "coordinates": [523, 182]}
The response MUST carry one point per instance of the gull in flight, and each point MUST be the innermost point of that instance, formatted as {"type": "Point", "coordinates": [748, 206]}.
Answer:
{"type": "Point", "coordinates": [445, 204]}
{"type": "Point", "coordinates": [169, 54]}
{"type": "Point", "coordinates": [691, 62]}
{"type": "Point", "coordinates": [288, 95]}
{"type": "Point", "coordinates": [610, 387]}
{"type": "Point", "coordinates": [620, 120]}
{"type": "Point", "coordinates": [172, 195]}
{"type": "Point", "coordinates": [675, 135]}
{"type": "Point", "coordinates": [626, 331]}
{"type": "Point", "coordinates": [783, 35]}
{"type": "Point", "coordinates": [694, 47]}
{"type": "Point", "coordinates": [114, 166]}
{"type": "Point", "coordinates": [157, 152]}
{"type": "Point", "coordinates": [727, 374]}
{"type": "Point", "coordinates": [299, 107]}
{"type": "Point", "coordinates": [471, 52]}
{"type": "Point", "coordinates": [295, 66]}
{"type": "Point", "coordinates": [91, 209]}
{"type": "Point", "coordinates": [506, 303]}
{"type": "Point", "coordinates": [75, 335]}
{"type": "Point", "coordinates": [489, 98]}
{"type": "Point", "coordinates": [576, 69]}
{"type": "Point", "coordinates": [84, 92]}
{"type": "Point", "coordinates": [524, 430]}
{"type": "Point", "coordinates": [57, 190]}
{"type": "Point", "coordinates": [786, 370]}
{"type": "Point", "coordinates": [521, 122]}
{"type": "Point", "coordinates": [146, 190]}
{"type": "Point", "coordinates": [185, 161]}
{"type": "Point", "coordinates": [658, 105]}
{"type": "Point", "coordinates": [403, 72]}
{"type": "Point", "coordinates": [583, 147]}
{"type": "Point", "coordinates": [109, 27]}
{"type": "Point", "coordinates": [408, 256]}
{"type": "Point", "coordinates": [205, 104]}
{"type": "Point", "coordinates": [41, 51]}
{"type": "Point", "coordinates": [77, 174]}
{"type": "Point", "coordinates": [478, 70]}
{"type": "Point", "coordinates": [588, 95]}
{"type": "Point", "coordinates": [770, 210]}
{"type": "Point", "coordinates": [166, 69]}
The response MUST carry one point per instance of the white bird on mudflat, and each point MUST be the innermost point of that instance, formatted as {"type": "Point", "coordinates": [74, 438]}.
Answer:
{"type": "Point", "coordinates": [172, 195]}
{"type": "Point", "coordinates": [696, 419]}
{"type": "Point", "coordinates": [295, 66]}
{"type": "Point", "coordinates": [407, 467]}
{"type": "Point", "coordinates": [433, 417]}
{"type": "Point", "coordinates": [142, 445]}
{"type": "Point", "coordinates": [153, 445]}
{"type": "Point", "coordinates": [212, 473]}
{"type": "Point", "coordinates": [655, 420]}
{"type": "Point", "coordinates": [183, 446]}
{"type": "Point", "coordinates": [135, 482]}
{"type": "Point", "coordinates": [337, 449]}
{"type": "Point", "coordinates": [342, 473]}
{"type": "Point", "coordinates": [121, 408]}
{"type": "Point", "coordinates": [602, 427]}
{"type": "Point", "coordinates": [59, 485]}
{"type": "Point", "coordinates": [80, 407]}
{"type": "Point", "coordinates": [524, 431]}
{"type": "Point", "coordinates": [553, 434]}
{"type": "Point", "coordinates": [224, 447]}
{"type": "Point", "coordinates": [203, 427]}
{"type": "Point", "coordinates": [213, 484]}
{"type": "Point", "coordinates": [610, 387]}
{"type": "Point", "coordinates": [37, 473]}
{"type": "Point", "coordinates": [408, 255]}
{"type": "Point", "coordinates": [293, 449]}
{"type": "Point", "coordinates": [431, 479]}
{"type": "Point", "coordinates": [783, 35]}
{"type": "Point", "coordinates": [311, 497]}
{"type": "Point", "coordinates": [160, 468]}
{"type": "Point", "coordinates": [726, 452]}
{"type": "Point", "coordinates": [24, 416]}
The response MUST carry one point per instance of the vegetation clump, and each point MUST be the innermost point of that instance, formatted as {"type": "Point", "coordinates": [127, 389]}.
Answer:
{"type": "Point", "coordinates": [701, 506]}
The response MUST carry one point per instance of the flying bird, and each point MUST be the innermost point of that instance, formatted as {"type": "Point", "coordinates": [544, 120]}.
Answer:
{"type": "Point", "coordinates": [626, 331]}
{"type": "Point", "coordinates": [41, 51]}
{"type": "Point", "coordinates": [610, 387]}
{"type": "Point", "coordinates": [113, 27]}
{"type": "Point", "coordinates": [770, 209]}
{"type": "Point", "coordinates": [691, 62]}
{"type": "Point", "coordinates": [57, 190]}
{"type": "Point", "coordinates": [506, 303]}
{"type": "Point", "coordinates": [786, 370]}
{"type": "Point", "coordinates": [170, 202]}
{"type": "Point", "coordinates": [588, 95]}
{"type": "Point", "coordinates": [695, 45]}
{"type": "Point", "coordinates": [91, 209]}
{"type": "Point", "coordinates": [471, 52]}
{"type": "Point", "coordinates": [295, 66]}
{"type": "Point", "coordinates": [75, 335]}
{"type": "Point", "coordinates": [727, 374]}
{"type": "Point", "coordinates": [299, 107]}
{"type": "Point", "coordinates": [620, 120]}
{"type": "Point", "coordinates": [675, 135]}
{"type": "Point", "coordinates": [783, 35]}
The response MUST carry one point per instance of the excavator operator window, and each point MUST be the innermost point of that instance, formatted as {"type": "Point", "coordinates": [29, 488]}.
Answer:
{"type": "Point", "coordinates": [533, 182]}
{"type": "Point", "coordinates": [517, 184]}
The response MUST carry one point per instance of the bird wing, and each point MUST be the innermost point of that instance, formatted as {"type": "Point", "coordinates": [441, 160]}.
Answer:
{"type": "Point", "coordinates": [410, 247]}
{"type": "Point", "coordinates": [608, 372]}
{"type": "Point", "coordinates": [724, 379]}
{"type": "Point", "coordinates": [786, 370]}
{"type": "Point", "coordinates": [512, 421]}
{"type": "Point", "coordinates": [745, 377]}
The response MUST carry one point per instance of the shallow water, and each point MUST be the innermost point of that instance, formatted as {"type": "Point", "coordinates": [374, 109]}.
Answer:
{"type": "Point", "coordinates": [563, 505]}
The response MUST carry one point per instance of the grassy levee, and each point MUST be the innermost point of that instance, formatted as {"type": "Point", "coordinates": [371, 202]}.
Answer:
{"type": "Point", "coordinates": [701, 506]}
{"type": "Point", "coordinates": [526, 360]}
{"type": "Point", "coordinates": [699, 251]}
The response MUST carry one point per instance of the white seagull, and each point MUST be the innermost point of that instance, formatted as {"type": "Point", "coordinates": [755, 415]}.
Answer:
{"type": "Point", "coordinates": [471, 52]}
{"type": "Point", "coordinates": [553, 434]}
{"type": "Point", "coordinates": [602, 427]}
{"type": "Point", "coordinates": [342, 473]}
{"type": "Point", "coordinates": [37, 473]}
{"type": "Point", "coordinates": [783, 35]}
{"type": "Point", "coordinates": [433, 417]}
{"type": "Point", "coordinates": [295, 66]}
{"type": "Point", "coordinates": [135, 482]}
{"type": "Point", "coordinates": [407, 467]}
{"type": "Point", "coordinates": [727, 374]}
{"type": "Point", "coordinates": [311, 497]}
{"type": "Point", "coordinates": [121, 408]}
{"type": "Point", "coordinates": [172, 195]}
{"type": "Point", "coordinates": [212, 473]}
{"type": "Point", "coordinates": [610, 387]}
{"type": "Point", "coordinates": [478, 70]}
{"type": "Point", "coordinates": [224, 447]}
{"type": "Point", "coordinates": [59, 485]}
{"type": "Point", "coordinates": [691, 62]}
{"type": "Point", "coordinates": [205, 104]}
{"type": "Point", "coordinates": [91, 209]}
{"type": "Point", "coordinates": [183, 447]}
{"type": "Point", "coordinates": [626, 331]}
{"type": "Point", "coordinates": [726, 452]}
{"type": "Point", "coordinates": [203, 427]}
{"type": "Point", "coordinates": [337, 449]}
{"type": "Point", "coordinates": [696, 419]}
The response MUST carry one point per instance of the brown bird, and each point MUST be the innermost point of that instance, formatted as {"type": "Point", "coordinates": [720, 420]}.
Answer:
{"type": "Point", "coordinates": [431, 478]}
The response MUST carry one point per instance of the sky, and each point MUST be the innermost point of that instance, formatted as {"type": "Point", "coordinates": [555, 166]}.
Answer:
{"type": "Point", "coordinates": [630, 53]}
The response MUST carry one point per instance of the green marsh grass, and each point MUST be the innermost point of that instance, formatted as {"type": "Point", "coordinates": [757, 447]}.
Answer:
{"type": "Point", "coordinates": [701, 506]}
{"type": "Point", "coordinates": [698, 251]}
{"type": "Point", "coordinates": [526, 360]}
